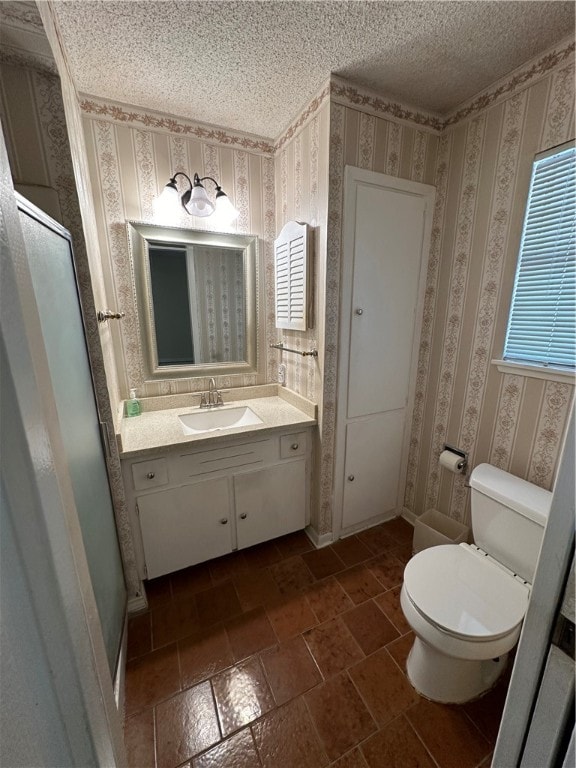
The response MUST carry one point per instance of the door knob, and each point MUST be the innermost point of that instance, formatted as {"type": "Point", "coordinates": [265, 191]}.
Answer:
{"type": "Point", "coordinates": [243, 516]}
{"type": "Point", "coordinates": [351, 477]}
{"type": "Point", "coordinates": [151, 475]}
{"type": "Point", "coordinates": [359, 311]}
{"type": "Point", "coordinates": [224, 521]}
{"type": "Point", "coordinates": [294, 446]}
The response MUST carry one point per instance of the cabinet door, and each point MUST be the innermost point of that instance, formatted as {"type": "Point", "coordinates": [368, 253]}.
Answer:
{"type": "Point", "coordinates": [371, 485]}
{"type": "Point", "coordinates": [186, 525]}
{"type": "Point", "coordinates": [270, 502]}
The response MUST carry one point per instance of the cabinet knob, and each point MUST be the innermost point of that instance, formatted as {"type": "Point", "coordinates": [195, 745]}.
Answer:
{"type": "Point", "coordinates": [151, 475]}
{"type": "Point", "coordinates": [359, 311]}
{"type": "Point", "coordinates": [224, 521]}
{"type": "Point", "coordinates": [243, 516]}
{"type": "Point", "coordinates": [351, 477]}
{"type": "Point", "coordinates": [294, 446]}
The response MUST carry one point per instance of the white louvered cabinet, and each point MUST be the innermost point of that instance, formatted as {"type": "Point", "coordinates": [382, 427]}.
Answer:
{"type": "Point", "coordinates": [292, 261]}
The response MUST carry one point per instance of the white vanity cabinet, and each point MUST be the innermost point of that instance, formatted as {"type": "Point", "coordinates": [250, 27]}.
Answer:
{"type": "Point", "coordinates": [185, 525]}
{"type": "Point", "coordinates": [201, 500]}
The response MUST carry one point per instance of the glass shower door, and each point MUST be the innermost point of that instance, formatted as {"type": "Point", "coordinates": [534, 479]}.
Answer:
{"type": "Point", "coordinates": [49, 252]}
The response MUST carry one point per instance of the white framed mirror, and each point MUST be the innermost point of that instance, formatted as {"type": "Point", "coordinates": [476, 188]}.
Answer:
{"type": "Point", "coordinates": [197, 300]}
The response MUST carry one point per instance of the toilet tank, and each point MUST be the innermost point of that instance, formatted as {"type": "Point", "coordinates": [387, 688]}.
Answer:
{"type": "Point", "coordinates": [508, 518]}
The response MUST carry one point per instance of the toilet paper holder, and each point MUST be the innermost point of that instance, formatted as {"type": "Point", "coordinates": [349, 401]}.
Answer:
{"type": "Point", "coordinates": [463, 455]}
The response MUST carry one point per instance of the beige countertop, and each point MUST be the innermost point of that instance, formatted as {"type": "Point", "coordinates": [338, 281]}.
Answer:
{"type": "Point", "coordinates": [154, 431]}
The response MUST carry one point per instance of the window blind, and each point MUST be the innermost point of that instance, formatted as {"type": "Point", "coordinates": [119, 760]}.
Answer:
{"type": "Point", "coordinates": [541, 327]}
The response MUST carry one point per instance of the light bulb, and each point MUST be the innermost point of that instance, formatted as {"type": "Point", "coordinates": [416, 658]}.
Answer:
{"type": "Point", "coordinates": [199, 203]}
{"type": "Point", "coordinates": [166, 205]}
{"type": "Point", "coordinates": [225, 211]}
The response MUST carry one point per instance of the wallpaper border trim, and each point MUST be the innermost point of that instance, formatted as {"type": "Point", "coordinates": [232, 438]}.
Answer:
{"type": "Point", "coordinates": [102, 109]}
{"type": "Point", "coordinates": [310, 111]}
{"type": "Point", "coordinates": [522, 77]}
{"type": "Point", "coordinates": [366, 100]}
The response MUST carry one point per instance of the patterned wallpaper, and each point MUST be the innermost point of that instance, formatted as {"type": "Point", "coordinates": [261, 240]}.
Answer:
{"type": "Point", "coordinates": [129, 165]}
{"type": "Point", "coordinates": [301, 169]}
{"type": "Point", "coordinates": [482, 179]}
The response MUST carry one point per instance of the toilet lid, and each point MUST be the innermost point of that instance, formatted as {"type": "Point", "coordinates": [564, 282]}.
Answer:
{"type": "Point", "coordinates": [465, 594]}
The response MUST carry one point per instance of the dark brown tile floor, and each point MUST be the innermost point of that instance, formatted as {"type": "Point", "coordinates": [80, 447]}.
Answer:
{"type": "Point", "coordinates": [282, 656]}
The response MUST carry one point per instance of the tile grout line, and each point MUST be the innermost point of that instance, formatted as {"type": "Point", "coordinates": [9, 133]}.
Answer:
{"type": "Point", "coordinates": [316, 731]}
{"type": "Point", "coordinates": [476, 726]}
{"type": "Point", "coordinates": [155, 736]}
{"type": "Point", "coordinates": [260, 763]}
{"type": "Point", "coordinates": [404, 672]}
{"type": "Point", "coordinates": [420, 738]}
{"type": "Point", "coordinates": [363, 700]}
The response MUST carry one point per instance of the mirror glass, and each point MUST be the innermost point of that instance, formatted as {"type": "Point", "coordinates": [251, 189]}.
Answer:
{"type": "Point", "coordinates": [197, 300]}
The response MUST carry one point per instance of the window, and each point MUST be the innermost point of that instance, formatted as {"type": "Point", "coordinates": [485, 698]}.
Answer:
{"type": "Point", "coordinates": [541, 327]}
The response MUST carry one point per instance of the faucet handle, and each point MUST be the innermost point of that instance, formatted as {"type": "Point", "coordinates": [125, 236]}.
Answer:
{"type": "Point", "coordinates": [203, 400]}
{"type": "Point", "coordinates": [219, 400]}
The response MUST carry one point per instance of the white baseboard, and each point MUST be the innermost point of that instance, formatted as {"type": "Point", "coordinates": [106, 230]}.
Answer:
{"type": "Point", "coordinates": [319, 540]}
{"type": "Point", "coordinates": [410, 517]}
{"type": "Point", "coordinates": [119, 678]}
{"type": "Point", "coordinates": [137, 604]}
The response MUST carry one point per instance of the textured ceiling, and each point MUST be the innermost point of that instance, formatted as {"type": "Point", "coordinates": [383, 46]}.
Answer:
{"type": "Point", "coordinates": [251, 66]}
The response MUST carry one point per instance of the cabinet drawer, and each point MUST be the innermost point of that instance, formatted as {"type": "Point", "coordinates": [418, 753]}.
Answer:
{"type": "Point", "coordinates": [237, 456]}
{"type": "Point", "coordinates": [149, 474]}
{"type": "Point", "coordinates": [293, 445]}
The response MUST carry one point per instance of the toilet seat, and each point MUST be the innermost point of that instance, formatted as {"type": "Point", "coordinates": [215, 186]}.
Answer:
{"type": "Point", "coordinates": [466, 596]}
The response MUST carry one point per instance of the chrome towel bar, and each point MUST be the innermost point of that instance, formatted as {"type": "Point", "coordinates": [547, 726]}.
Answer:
{"type": "Point", "coordinates": [280, 345]}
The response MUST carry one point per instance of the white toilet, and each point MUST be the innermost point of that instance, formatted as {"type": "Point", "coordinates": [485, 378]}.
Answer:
{"type": "Point", "coordinates": [466, 602]}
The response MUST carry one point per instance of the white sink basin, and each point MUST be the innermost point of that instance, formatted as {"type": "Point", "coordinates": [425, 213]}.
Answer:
{"type": "Point", "coordinates": [218, 418]}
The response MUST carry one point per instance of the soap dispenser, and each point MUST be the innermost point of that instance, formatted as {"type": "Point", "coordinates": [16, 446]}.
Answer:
{"type": "Point", "coordinates": [133, 405]}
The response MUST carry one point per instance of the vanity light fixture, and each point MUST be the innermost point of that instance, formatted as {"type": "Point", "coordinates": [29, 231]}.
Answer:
{"type": "Point", "coordinates": [194, 199]}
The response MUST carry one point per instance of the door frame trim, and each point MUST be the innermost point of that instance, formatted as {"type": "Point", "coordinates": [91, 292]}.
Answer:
{"type": "Point", "coordinates": [353, 178]}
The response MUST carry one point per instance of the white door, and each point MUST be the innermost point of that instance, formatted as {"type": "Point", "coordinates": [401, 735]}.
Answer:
{"type": "Point", "coordinates": [387, 225]}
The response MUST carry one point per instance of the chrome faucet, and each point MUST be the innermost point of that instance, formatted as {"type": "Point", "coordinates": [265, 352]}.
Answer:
{"type": "Point", "coordinates": [213, 397]}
